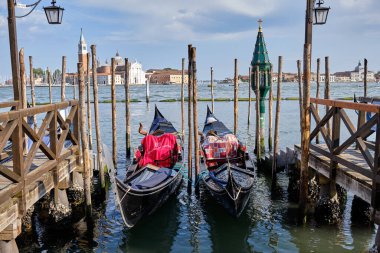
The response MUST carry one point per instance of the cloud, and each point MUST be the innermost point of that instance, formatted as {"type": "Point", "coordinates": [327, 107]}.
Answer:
{"type": "Point", "coordinates": [355, 4]}
{"type": "Point", "coordinates": [182, 20]}
{"type": "Point", "coordinates": [3, 26]}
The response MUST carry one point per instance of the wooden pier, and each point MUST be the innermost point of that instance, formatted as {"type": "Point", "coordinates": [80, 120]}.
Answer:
{"type": "Point", "coordinates": [353, 162]}
{"type": "Point", "coordinates": [28, 174]}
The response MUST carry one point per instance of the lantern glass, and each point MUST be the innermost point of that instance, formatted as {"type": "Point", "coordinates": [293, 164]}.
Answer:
{"type": "Point", "coordinates": [54, 14]}
{"type": "Point", "coordinates": [320, 15]}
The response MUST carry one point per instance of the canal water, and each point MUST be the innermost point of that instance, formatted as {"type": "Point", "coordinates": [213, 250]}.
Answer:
{"type": "Point", "coordinates": [196, 223]}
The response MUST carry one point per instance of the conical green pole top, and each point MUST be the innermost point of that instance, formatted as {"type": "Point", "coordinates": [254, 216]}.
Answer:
{"type": "Point", "coordinates": [260, 55]}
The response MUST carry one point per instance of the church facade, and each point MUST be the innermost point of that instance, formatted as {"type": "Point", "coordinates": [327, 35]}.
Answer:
{"type": "Point", "coordinates": [104, 74]}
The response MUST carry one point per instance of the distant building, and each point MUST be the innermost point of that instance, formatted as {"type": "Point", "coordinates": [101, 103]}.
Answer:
{"type": "Point", "coordinates": [106, 79]}
{"type": "Point", "coordinates": [343, 77]}
{"type": "Point", "coordinates": [357, 75]}
{"type": "Point", "coordinates": [136, 74]}
{"type": "Point", "coordinates": [168, 76]}
{"type": "Point", "coordinates": [322, 78]}
{"type": "Point", "coordinates": [82, 51]}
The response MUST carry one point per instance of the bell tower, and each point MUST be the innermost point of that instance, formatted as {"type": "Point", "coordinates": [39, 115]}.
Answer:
{"type": "Point", "coordinates": [82, 51]}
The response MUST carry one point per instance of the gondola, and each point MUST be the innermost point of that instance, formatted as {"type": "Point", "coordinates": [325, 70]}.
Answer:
{"type": "Point", "coordinates": [149, 181]}
{"type": "Point", "coordinates": [228, 180]}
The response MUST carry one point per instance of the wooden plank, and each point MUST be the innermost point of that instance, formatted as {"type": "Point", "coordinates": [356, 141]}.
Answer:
{"type": "Point", "coordinates": [11, 231]}
{"type": "Point", "coordinates": [34, 192]}
{"type": "Point", "coordinates": [8, 215]}
{"type": "Point", "coordinates": [39, 138]}
{"type": "Point", "coordinates": [9, 174]}
{"type": "Point", "coordinates": [360, 133]}
{"type": "Point", "coordinates": [359, 140]}
{"type": "Point", "coordinates": [5, 135]}
{"type": "Point", "coordinates": [37, 173]}
{"type": "Point", "coordinates": [38, 141]}
{"type": "Point", "coordinates": [347, 105]}
{"type": "Point", "coordinates": [8, 104]}
{"type": "Point", "coordinates": [8, 116]}
{"type": "Point", "coordinates": [320, 122]}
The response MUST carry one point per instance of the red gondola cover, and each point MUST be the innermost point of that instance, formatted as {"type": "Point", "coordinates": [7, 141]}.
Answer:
{"type": "Point", "coordinates": [160, 151]}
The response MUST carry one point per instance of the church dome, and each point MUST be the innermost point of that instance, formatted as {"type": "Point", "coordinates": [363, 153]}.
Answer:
{"type": "Point", "coordinates": [118, 59]}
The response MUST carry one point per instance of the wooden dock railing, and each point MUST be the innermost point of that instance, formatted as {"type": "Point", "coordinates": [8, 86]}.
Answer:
{"type": "Point", "coordinates": [367, 153]}
{"type": "Point", "coordinates": [54, 140]}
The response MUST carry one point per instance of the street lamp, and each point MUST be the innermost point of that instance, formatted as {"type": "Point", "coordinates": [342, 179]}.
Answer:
{"type": "Point", "coordinates": [54, 13]}
{"type": "Point", "coordinates": [320, 13]}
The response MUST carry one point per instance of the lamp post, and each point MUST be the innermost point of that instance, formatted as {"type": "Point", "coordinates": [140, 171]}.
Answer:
{"type": "Point", "coordinates": [54, 16]}
{"type": "Point", "coordinates": [320, 17]}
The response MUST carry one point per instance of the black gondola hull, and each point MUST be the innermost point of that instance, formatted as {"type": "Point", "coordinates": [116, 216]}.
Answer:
{"type": "Point", "coordinates": [135, 205]}
{"type": "Point", "coordinates": [234, 198]}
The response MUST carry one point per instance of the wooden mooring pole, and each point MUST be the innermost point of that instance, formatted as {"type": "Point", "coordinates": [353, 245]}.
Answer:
{"type": "Point", "coordinates": [317, 92]}
{"type": "Point", "coordinates": [85, 152]}
{"type": "Point", "coordinates": [32, 90]}
{"type": "Point", "coordinates": [327, 90]}
{"type": "Point", "coordinates": [300, 90]}
{"type": "Point", "coordinates": [24, 100]}
{"type": "Point", "coordinates": [113, 108]}
{"type": "Point", "coordinates": [249, 96]}
{"type": "Point", "coordinates": [365, 77]}
{"type": "Point", "coordinates": [277, 123]}
{"type": "Point", "coordinates": [195, 116]}
{"type": "Point", "coordinates": [127, 110]}
{"type": "Point", "coordinates": [212, 89]}
{"type": "Point", "coordinates": [183, 100]}
{"type": "Point", "coordinates": [270, 111]}
{"type": "Point", "coordinates": [236, 88]}
{"type": "Point", "coordinates": [147, 90]}
{"type": "Point", "coordinates": [96, 113]}
{"type": "Point", "coordinates": [189, 120]}
{"type": "Point", "coordinates": [74, 89]}
{"type": "Point", "coordinates": [89, 121]}
{"type": "Point", "coordinates": [257, 137]}
{"type": "Point", "coordinates": [305, 131]}
{"type": "Point", "coordinates": [63, 79]}
{"type": "Point", "coordinates": [50, 86]}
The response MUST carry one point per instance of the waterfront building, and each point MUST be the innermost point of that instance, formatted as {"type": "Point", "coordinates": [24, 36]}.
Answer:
{"type": "Point", "coordinates": [106, 79]}
{"type": "Point", "coordinates": [322, 78]}
{"type": "Point", "coordinates": [343, 77]}
{"type": "Point", "coordinates": [357, 75]}
{"type": "Point", "coordinates": [168, 76]}
{"type": "Point", "coordinates": [136, 73]}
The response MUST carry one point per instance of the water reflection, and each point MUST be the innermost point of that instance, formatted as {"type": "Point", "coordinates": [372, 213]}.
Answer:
{"type": "Point", "coordinates": [156, 232]}
{"type": "Point", "coordinates": [232, 234]}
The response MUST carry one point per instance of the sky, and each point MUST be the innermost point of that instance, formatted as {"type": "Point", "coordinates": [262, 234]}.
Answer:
{"type": "Point", "coordinates": [157, 32]}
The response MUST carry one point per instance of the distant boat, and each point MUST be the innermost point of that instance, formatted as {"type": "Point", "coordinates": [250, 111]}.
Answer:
{"type": "Point", "coordinates": [225, 81]}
